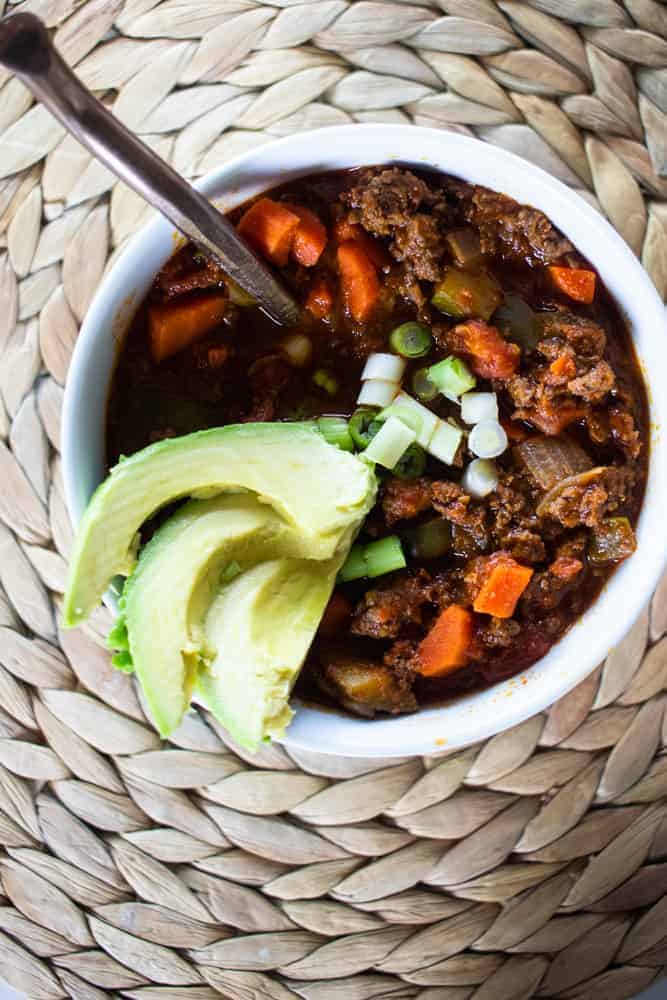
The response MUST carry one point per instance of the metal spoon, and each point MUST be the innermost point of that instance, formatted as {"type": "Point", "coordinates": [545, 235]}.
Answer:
{"type": "Point", "coordinates": [26, 49]}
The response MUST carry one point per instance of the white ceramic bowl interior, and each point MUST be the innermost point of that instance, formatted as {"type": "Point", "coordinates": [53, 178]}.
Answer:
{"type": "Point", "coordinates": [477, 716]}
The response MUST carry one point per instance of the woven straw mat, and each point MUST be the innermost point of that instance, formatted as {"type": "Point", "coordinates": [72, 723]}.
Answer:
{"type": "Point", "coordinates": [532, 865]}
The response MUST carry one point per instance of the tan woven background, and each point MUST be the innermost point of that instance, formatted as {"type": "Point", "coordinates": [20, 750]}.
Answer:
{"type": "Point", "coordinates": [535, 864]}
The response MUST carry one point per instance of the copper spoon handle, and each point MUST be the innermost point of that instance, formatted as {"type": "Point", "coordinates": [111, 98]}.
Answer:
{"type": "Point", "coordinates": [26, 49]}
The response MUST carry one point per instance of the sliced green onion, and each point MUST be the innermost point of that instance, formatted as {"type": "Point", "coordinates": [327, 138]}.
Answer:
{"type": "Point", "coordinates": [403, 412]}
{"type": "Point", "coordinates": [480, 478]}
{"type": "Point", "coordinates": [361, 426]}
{"type": "Point", "coordinates": [429, 540]}
{"type": "Point", "coordinates": [336, 430]}
{"type": "Point", "coordinates": [445, 442]}
{"type": "Point", "coordinates": [354, 567]}
{"type": "Point", "coordinates": [377, 392]}
{"type": "Point", "coordinates": [384, 556]}
{"type": "Point", "coordinates": [428, 421]}
{"type": "Point", "coordinates": [374, 559]}
{"type": "Point", "coordinates": [298, 348]}
{"type": "Point", "coordinates": [230, 572]}
{"type": "Point", "coordinates": [487, 439]}
{"type": "Point", "coordinates": [478, 406]}
{"type": "Point", "coordinates": [423, 387]}
{"type": "Point", "coordinates": [411, 463]}
{"type": "Point", "coordinates": [325, 380]}
{"type": "Point", "coordinates": [452, 377]}
{"type": "Point", "coordinates": [390, 442]}
{"type": "Point", "coordinates": [411, 340]}
{"type": "Point", "coordinates": [387, 367]}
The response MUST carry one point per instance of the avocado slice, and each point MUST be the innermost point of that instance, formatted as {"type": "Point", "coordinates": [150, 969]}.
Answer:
{"type": "Point", "coordinates": [318, 489]}
{"type": "Point", "coordinates": [261, 626]}
{"type": "Point", "coordinates": [166, 598]}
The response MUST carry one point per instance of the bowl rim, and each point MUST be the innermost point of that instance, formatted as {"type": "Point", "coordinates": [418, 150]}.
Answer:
{"type": "Point", "coordinates": [483, 714]}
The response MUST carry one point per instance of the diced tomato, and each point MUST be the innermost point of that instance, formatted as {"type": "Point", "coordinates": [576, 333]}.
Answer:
{"type": "Point", "coordinates": [489, 354]}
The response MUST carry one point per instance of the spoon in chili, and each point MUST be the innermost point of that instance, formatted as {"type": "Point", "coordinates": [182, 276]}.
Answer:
{"type": "Point", "coordinates": [27, 50]}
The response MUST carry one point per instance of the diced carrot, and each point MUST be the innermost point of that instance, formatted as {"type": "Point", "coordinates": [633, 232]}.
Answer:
{"type": "Point", "coordinates": [319, 300]}
{"type": "Point", "coordinates": [505, 582]}
{"type": "Point", "coordinates": [446, 646]}
{"type": "Point", "coordinates": [345, 230]}
{"type": "Point", "coordinates": [490, 355]}
{"type": "Point", "coordinates": [515, 431]}
{"type": "Point", "coordinates": [359, 280]}
{"type": "Point", "coordinates": [216, 356]}
{"type": "Point", "coordinates": [563, 367]}
{"type": "Point", "coordinates": [175, 325]}
{"type": "Point", "coordinates": [310, 237]}
{"type": "Point", "coordinates": [335, 617]}
{"type": "Point", "coordinates": [575, 282]}
{"type": "Point", "coordinates": [269, 227]}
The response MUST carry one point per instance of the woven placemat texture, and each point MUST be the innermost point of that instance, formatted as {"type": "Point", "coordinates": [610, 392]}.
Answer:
{"type": "Point", "coordinates": [532, 865]}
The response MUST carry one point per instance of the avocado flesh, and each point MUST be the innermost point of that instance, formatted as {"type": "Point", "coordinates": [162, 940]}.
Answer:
{"type": "Point", "coordinates": [317, 489]}
{"type": "Point", "coordinates": [262, 625]}
{"type": "Point", "coordinates": [166, 598]}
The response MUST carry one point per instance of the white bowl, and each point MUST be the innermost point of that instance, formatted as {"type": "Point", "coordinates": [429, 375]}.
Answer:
{"type": "Point", "coordinates": [482, 714]}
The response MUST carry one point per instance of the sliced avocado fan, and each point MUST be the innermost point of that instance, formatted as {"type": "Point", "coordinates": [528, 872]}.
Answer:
{"type": "Point", "coordinates": [316, 488]}
{"type": "Point", "coordinates": [179, 572]}
{"type": "Point", "coordinates": [262, 625]}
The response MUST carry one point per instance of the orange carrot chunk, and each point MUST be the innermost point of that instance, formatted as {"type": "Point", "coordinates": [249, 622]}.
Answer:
{"type": "Point", "coordinates": [446, 646]}
{"type": "Point", "coordinates": [173, 326]}
{"type": "Point", "coordinates": [310, 237]}
{"type": "Point", "coordinates": [345, 230]}
{"type": "Point", "coordinates": [359, 280]}
{"type": "Point", "coordinates": [505, 582]}
{"type": "Point", "coordinates": [576, 283]}
{"type": "Point", "coordinates": [269, 227]}
{"type": "Point", "coordinates": [336, 616]}
{"type": "Point", "coordinates": [319, 300]}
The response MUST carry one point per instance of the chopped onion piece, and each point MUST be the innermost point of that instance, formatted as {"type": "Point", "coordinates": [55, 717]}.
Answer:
{"type": "Point", "coordinates": [422, 420]}
{"type": "Point", "coordinates": [390, 443]}
{"type": "Point", "coordinates": [480, 478]}
{"type": "Point", "coordinates": [550, 460]}
{"type": "Point", "coordinates": [377, 392]}
{"type": "Point", "coordinates": [445, 442]}
{"type": "Point", "coordinates": [487, 439]}
{"type": "Point", "coordinates": [387, 367]}
{"type": "Point", "coordinates": [298, 349]}
{"type": "Point", "coordinates": [478, 406]}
